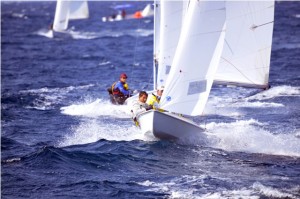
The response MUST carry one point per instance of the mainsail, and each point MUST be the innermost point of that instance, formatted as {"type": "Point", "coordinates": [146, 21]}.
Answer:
{"type": "Point", "coordinates": [69, 10]}
{"type": "Point", "coordinates": [196, 58]}
{"type": "Point", "coordinates": [247, 50]}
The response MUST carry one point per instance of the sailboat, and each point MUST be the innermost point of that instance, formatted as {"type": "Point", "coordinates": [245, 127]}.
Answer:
{"type": "Point", "coordinates": [69, 10]}
{"type": "Point", "coordinates": [122, 15]}
{"type": "Point", "coordinates": [217, 42]}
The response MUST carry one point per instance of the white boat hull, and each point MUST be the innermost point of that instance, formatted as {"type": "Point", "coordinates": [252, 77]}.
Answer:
{"type": "Point", "coordinates": [168, 126]}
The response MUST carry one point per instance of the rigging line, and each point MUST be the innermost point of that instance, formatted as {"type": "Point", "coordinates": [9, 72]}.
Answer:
{"type": "Point", "coordinates": [237, 69]}
{"type": "Point", "coordinates": [227, 44]}
{"type": "Point", "coordinates": [256, 26]}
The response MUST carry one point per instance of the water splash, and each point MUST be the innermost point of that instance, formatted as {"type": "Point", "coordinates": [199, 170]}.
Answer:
{"type": "Point", "coordinates": [277, 91]}
{"type": "Point", "coordinates": [46, 98]}
{"type": "Point", "coordinates": [250, 136]}
{"type": "Point", "coordinates": [45, 33]}
{"type": "Point", "coordinates": [93, 130]}
{"type": "Point", "coordinates": [98, 107]}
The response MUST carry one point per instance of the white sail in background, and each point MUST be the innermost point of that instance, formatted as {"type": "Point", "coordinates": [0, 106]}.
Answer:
{"type": "Point", "coordinates": [196, 58]}
{"type": "Point", "coordinates": [170, 28]}
{"type": "Point", "coordinates": [147, 11]}
{"type": "Point", "coordinates": [78, 10]}
{"type": "Point", "coordinates": [247, 49]}
{"type": "Point", "coordinates": [68, 10]}
{"type": "Point", "coordinates": [61, 15]}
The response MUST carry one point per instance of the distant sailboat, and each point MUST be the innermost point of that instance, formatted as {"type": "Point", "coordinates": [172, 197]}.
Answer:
{"type": "Point", "coordinates": [221, 42]}
{"type": "Point", "coordinates": [69, 10]}
{"type": "Point", "coordinates": [122, 15]}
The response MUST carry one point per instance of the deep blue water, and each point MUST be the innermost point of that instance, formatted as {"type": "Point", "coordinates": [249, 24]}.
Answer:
{"type": "Point", "coordinates": [61, 138]}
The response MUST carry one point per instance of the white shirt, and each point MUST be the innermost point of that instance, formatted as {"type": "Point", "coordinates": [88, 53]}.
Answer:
{"type": "Point", "coordinates": [138, 107]}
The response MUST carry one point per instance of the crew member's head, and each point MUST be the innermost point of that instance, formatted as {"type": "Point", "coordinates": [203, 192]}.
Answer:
{"type": "Point", "coordinates": [160, 90]}
{"type": "Point", "coordinates": [123, 77]}
{"type": "Point", "coordinates": [143, 95]}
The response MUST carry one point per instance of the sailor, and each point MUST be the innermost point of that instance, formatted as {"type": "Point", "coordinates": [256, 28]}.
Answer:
{"type": "Point", "coordinates": [123, 14]}
{"type": "Point", "coordinates": [140, 105]}
{"type": "Point", "coordinates": [119, 91]}
{"type": "Point", "coordinates": [154, 98]}
{"type": "Point", "coordinates": [51, 27]}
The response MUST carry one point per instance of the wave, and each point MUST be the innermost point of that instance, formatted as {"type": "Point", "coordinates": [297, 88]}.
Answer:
{"type": "Point", "coordinates": [176, 189]}
{"type": "Point", "coordinates": [45, 33]}
{"type": "Point", "coordinates": [256, 104]}
{"type": "Point", "coordinates": [95, 35]}
{"type": "Point", "coordinates": [93, 130]}
{"type": "Point", "coordinates": [48, 97]}
{"type": "Point", "coordinates": [257, 190]}
{"type": "Point", "coordinates": [19, 15]}
{"type": "Point", "coordinates": [56, 90]}
{"type": "Point", "coordinates": [98, 107]}
{"type": "Point", "coordinates": [108, 33]}
{"type": "Point", "coordinates": [229, 105]}
{"type": "Point", "coordinates": [104, 63]}
{"type": "Point", "coordinates": [277, 91]}
{"type": "Point", "coordinates": [250, 136]}
{"type": "Point", "coordinates": [286, 46]}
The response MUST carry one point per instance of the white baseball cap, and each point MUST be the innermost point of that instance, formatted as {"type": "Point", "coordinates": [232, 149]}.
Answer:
{"type": "Point", "coordinates": [161, 88]}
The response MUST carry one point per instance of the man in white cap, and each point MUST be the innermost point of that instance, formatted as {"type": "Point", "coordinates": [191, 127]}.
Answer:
{"type": "Point", "coordinates": [153, 99]}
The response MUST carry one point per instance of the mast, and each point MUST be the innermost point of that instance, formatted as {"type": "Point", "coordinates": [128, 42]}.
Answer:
{"type": "Point", "coordinates": [156, 41]}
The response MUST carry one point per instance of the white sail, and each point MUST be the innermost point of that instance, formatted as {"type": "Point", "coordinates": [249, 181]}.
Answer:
{"type": "Point", "coordinates": [247, 49]}
{"type": "Point", "coordinates": [196, 58]}
{"type": "Point", "coordinates": [147, 11]}
{"type": "Point", "coordinates": [68, 10]}
{"type": "Point", "coordinates": [170, 28]}
{"type": "Point", "coordinates": [78, 10]}
{"type": "Point", "coordinates": [61, 15]}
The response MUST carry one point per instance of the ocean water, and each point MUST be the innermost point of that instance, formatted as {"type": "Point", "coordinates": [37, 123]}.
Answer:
{"type": "Point", "coordinates": [61, 137]}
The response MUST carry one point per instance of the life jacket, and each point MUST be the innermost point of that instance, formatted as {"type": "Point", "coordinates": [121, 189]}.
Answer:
{"type": "Point", "coordinates": [138, 15]}
{"type": "Point", "coordinates": [116, 91]}
{"type": "Point", "coordinates": [152, 99]}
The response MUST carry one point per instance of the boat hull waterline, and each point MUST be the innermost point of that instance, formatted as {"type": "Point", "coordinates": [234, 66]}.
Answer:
{"type": "Point", "coordinates": [168, 126]}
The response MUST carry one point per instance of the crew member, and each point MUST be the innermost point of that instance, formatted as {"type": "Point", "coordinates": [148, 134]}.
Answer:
{"type": "Point", "coordinates": [119, 91]}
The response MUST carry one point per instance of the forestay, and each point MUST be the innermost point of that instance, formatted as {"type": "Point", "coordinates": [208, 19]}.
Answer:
{"type": "Point", "coordinates": [196, 58]}
{"type": "Point", "coordinates": [247, 49]}
{"type": "Point", "coordinates": [69, 10]}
